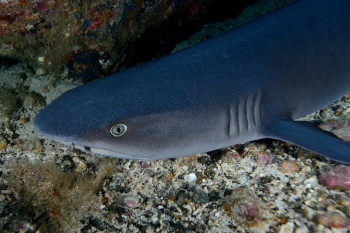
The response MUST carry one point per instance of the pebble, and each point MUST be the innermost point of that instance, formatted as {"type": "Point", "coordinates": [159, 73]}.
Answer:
{"type": "Point", "coordinates": [335, 220]}
{"type": "Point", "coordinates": [336, 178]}
{"type": "Point", "coordinates": [3, 143]}
{"type": "Point", "coordinates": [287, 228]}
{"type": "Point", "coordinates": [150, 229]}
{"type": "Point", "coordinates": [308, 212]}
{"type": "Point", "coordinates": [311, 182]}
{"type": "Point", "coordinates": [39, 71]}
{"type": "Point", "coordinates": [302, 229]}
{"type": "Point", "coordinates": [190, 177]}
{"type": "Point", "coordinates": [288, 167]}
{"type": "Point", "coordinates": [264, 158]}
{"type": "Point", "coordinates": [132, 202]}
{"type": "Point", "coordinates": [81, 166]}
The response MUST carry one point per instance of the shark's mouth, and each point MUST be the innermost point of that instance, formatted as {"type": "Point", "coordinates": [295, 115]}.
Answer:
{"type": "Point", "coordinates": [108, 153]}
{"type": "Point", "coordinates": [99, 151]}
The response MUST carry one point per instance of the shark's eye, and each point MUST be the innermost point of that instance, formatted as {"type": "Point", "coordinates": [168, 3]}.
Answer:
{"type": "Point", "coordinates": [118, 130]}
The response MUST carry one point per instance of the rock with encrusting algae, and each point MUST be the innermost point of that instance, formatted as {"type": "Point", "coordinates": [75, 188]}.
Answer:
{"type": "Point", "coordinates": [336, 178]}
{"type": "Point", "coordinates": [243, 204]}
{"type": "Point", "coordinates": [89, 37]}
{"type": "Point", "coordinates": [9, 103]}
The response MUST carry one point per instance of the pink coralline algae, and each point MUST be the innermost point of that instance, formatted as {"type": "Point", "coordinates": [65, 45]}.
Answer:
{"type": "Point", "coordinates": [335, 220]}
{"type": "Point", "coordinates": [250, 210]}
{"type": "Point", "coordinates": [244, 205]}
{"type": "Point", "coordinates": [337, 178]}
{"type": "Point", "coordinates": [131, 203]}
{"type": "Point", "coordinates": [264, 158]}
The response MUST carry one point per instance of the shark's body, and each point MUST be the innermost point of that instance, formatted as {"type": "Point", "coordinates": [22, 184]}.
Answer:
{"type": "Point", "coordinates": [247, 84]}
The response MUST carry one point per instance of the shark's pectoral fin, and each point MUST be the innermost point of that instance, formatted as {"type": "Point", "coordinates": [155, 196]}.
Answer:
{"type": "Point", "coordinates": [310, 137]}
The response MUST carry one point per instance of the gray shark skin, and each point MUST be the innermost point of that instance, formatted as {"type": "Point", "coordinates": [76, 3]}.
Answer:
{"type": "Point", "coordinates": [247, 84]}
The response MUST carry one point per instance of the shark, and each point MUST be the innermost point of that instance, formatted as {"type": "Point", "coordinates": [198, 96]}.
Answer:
{"type": "Point", "coordinates": [249, 83]}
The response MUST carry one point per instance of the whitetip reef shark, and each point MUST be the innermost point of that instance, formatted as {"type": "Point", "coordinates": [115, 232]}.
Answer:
{"type": "Point", "coordinates": [247, 84]}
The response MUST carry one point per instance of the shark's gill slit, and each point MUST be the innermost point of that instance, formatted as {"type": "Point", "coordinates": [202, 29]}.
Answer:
{"type": "Point", "coordinates": [230, 121]}
{"type": "Point", "coordinates": [256, 109]}
{"type": "Point", "coordinates": [243, 115]}
{"type": "Point", "coordinates": [249, 112]}
{"type": "Point", "coordinates": [118, 130]}
{"type": "Point", "coordinates": [239, 122]}
{"type": "Point", "coordinates": [247, 115]}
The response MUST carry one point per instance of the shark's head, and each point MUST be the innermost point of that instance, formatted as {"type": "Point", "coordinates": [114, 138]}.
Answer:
{"type": "Point", "coordinates": [129, 128]}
